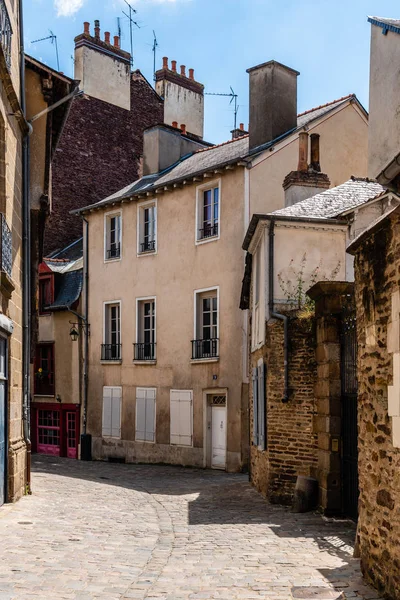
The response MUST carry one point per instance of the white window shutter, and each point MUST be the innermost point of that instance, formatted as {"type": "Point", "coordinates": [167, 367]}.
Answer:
{"type": "Point", "coordinates": [261, 406]}
{"type": "Point", "coordinates": [140, 414]}
{"type": "Point", "coordinates": [107, 398]}
{"type": "Point", "coordinates": [145, 414]}
{"type": "Point", "coordinates": [150, 416]}
{"type": "Point", "coordinates": [181, 419]}
{"type": "Point", "coordinates": [116, 412]}
{"type": "Point", "coordinates": [255, 407]}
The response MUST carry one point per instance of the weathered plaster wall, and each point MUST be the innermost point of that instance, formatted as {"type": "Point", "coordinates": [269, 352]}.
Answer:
{"type": "Point", "coordinates": [377, 280]}
{"type": "Point", "coordinates": [183, 106]}
{"type": "Point", "coordinates": [291, 442]}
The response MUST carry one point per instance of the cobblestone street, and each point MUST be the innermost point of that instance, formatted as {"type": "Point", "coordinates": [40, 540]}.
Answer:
{"type": "Point", "coordinates": [111, 531]}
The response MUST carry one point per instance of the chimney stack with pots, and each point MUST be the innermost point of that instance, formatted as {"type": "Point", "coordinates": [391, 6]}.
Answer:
{"type": "Point", "coordinates": [239, 132]}
{"type": "Point", "coordinates": [273, 102]}
{"type": "Point", "coordinates": [183, 97]}
{"type": "Point", "coordinates": [102, 68]}
{"type": "Point", "coordinates": [308, 180]}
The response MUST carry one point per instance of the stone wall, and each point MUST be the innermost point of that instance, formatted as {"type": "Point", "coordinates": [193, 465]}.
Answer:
{"type": "Point", "coordinates": [291, 443]}
{"type": "Point", "coordinates": [377, 268]}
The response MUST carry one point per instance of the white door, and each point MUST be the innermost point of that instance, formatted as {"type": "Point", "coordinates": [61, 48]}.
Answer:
{"type": "Point", "coordinates": [218, 445]}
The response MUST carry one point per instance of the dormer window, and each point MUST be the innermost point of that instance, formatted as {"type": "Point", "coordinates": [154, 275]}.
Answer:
{"type": "Point", "coordinates": [147, 227]}
{"type": "Point", "coordinates": [208, 212]}
{"type": "Point", "coordinates": [112, 227]}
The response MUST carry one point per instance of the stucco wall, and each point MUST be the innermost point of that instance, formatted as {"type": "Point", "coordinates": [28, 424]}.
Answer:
{"type": "Point", "coordinates": [384, 93]}
{"type": "Point", "coordinates": [183, 106]}
{"type": "Point", "coordinates": [179, 267]}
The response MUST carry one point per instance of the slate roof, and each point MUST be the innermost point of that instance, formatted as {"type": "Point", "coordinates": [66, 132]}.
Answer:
{"type": "Point", "coordinates": [71, 252]}
{"type": "Point", "coordinates": [69, 290]}
{"type": "Point", "coordinates": [332, 203]}
{"type": "Point", "coordinates": [386, 24]}
{"type": "Point", "coordinates": [230, 152]}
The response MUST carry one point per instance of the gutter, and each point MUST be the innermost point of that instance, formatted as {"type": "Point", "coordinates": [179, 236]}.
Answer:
{"type": "Point", "coordinates": [276, 315]}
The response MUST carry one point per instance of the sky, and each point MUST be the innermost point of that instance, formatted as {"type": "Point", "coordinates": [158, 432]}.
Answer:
{"type": "Point", "coordinates": [326, 40]}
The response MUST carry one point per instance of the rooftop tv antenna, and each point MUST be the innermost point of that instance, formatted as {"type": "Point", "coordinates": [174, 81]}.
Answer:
{"type": "Point", "coordinates": [119, 27]}
{"type": "Point", "coordinates": [155, 46]}
{"type": "Point", "coordinates": [53, 39]}
{"type": "Point", "coordinates": [234, 98]}
{"type": "Point", "coordinates": [132, 22]}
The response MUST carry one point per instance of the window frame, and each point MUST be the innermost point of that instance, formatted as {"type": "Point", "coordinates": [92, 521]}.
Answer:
{"type": "Point", "coordinates": [141, 207]}
{"type": "Point", "coordinates": [107, 216]}
{"type": "Point", "coordinates": [45, 277]}
{"type": "Point", "coordinates": [138, 331]}
{"type": "Point", "coordinates": [210, 185]}
{"type": "Point", "coordinates": [197, 319]}
{"type": "Point", "coordinates": [37, 364]}
{"type": "Point", "coordinates": [105, 342]}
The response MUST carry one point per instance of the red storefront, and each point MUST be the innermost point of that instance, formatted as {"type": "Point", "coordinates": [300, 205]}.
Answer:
{"type": "Point", "coordinates": [55, 429]}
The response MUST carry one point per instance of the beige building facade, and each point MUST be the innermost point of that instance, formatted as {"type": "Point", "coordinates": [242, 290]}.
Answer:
{"type": "Point", "coordinates": [168, 370]}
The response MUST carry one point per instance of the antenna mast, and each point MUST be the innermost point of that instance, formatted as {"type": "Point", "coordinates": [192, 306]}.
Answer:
{"type": "Point", "coordinates": [53, 39]}
{"type": "Point", "coordinates": [155, 45]}
{"type": "Point", "coordinates": [131, 23]}
{"type": "Point", "coordinates": [234, 98]}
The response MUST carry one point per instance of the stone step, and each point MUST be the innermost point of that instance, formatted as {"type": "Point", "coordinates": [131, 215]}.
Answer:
{"type": "Point", "coordinates": [316, 593]}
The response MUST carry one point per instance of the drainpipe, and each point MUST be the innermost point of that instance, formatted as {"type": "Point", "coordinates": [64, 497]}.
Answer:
{"type": "Point", "coordinates": [26, 261]}
{"type": "Point", "coordinates": [86, 310]}
{"type": "Point", "coordinates": [276, 315]}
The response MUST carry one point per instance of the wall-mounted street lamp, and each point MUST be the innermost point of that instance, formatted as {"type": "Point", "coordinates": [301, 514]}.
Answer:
{"type": "Point", "coordinates": [73, 332]}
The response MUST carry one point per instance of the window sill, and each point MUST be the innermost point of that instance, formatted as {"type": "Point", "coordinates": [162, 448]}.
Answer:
{"type": "Point", "coordinates": [196, 361]}
{"type": "Point", "coordinates": [44, 395]}
{"type": "Point", "coordinates": [111, 362]}
{"type": "Point", "coordinates": [147, 253]}
{"type": "Point", "coordinates": [111, 260]}
{"type": "Point", "coordinates": [212, 238]}
{"type": "Point", "coordinates": [145, 362]}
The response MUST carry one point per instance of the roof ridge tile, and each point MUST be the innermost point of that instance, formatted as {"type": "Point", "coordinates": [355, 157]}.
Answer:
{"type": "Point", "coordinates": [310, 110]}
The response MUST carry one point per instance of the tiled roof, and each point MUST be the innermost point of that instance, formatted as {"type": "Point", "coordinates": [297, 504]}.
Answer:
{"type": "Point", "coordinates": [230, 152]}
{"type": "Point", "coordinates": [386, 24]}
{"type": "Point", "coordinates": [335, 201]}
{"type": "Point", "coordinates": [69, 291]}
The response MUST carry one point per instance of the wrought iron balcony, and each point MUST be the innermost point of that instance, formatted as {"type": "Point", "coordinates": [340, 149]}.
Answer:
{"type": "Point", "coordinates": [144, 352]}
{"type": "Point", "coordinates": [6, 246]}
{"type": "Point", "coordinates": [111, 351]}
{"type": "Point", "coordinates": [148, 246]}
{"type": "Point", "coordinates": [205, 348]}
{"type": "Point", "coordinates": [208, 231]}
{"type": "Point", "coordinates": [114, 251]}
{"type": "Point", "coordinates": [5, 33]}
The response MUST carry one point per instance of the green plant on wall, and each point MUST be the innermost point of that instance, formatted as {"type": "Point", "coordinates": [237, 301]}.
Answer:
{"type": "Point", "coordinates": [295, 285]}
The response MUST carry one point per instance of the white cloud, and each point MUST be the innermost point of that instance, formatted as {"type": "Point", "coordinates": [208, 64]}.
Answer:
{"type": "Point", "coordinates": [67, 8]}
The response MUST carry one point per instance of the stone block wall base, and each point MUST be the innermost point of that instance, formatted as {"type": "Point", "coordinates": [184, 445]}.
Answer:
{"type": "Point", "coordinates": [17, 474]}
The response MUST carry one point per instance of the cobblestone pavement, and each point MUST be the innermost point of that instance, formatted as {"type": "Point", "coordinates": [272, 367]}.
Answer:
{"type": "Point", "coordinates": [110, 531]}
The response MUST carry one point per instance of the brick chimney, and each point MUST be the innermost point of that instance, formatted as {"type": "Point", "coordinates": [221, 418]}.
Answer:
{"type": "Point", "coordinates": [273, 102]}
{"type": "Point", "coordinates": [308, 180]}
{"type": "Point", "coordinates": [183, 97]}
{"type": "Point", "coordinates": [239, 132]}
{"type": "Point", "coordinates": [103, 69]}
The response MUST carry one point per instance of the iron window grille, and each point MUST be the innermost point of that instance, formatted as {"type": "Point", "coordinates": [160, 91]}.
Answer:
{"type": "Point", "coordinates": [205, 348]}
{"type": "Point", "coordinates": [208, 231]}
{"type": "Point", "coordinates": [5, 33]}
{"type": "Point", "coordinates": [111, 351]}
{"type": "Point", "coordinates": [114, 251]}
{"type": "Point", "coordinates": [6, 246]}
{"type": "Point", "coordinates": [148, 246]}
{"type": "Point", "coordinates": [144, 351]}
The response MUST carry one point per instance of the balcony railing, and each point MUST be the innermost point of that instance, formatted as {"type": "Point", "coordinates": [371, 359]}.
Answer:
{"type": "Point", "coordinates": [144, 351]}
{"type": "Point", "coordinates": [114, 251]}
{"type": "Point", "coordinates": [148, 246]}
{"type": "Point", "coordinates": [5, 33]}
{"type": "Point", "coordinates": [205, 348]}
{"type": "Point", "coordinates": [6, 246]}
{"type": "Point", "coordinates": [208, 231]}
{"type": "Point", "coordinates": [111, 351]}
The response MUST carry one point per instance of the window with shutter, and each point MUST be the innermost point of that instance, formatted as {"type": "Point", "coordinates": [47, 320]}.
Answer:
{"type": "Point", "coordinates": [145, 414]}
{"type": "Point", "coordinates": [255, 406]}
{"type": "Point", "coordinates": [112, 397]}
{"type": "Point", "coordinates": [181, 417]}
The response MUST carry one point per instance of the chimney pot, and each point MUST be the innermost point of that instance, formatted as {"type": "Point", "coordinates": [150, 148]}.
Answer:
{"type": "Point", "coordinates": [86, 27]}
{"type": "Point", "coordinates": [165, 62]}
{"type": "Point", "coordinates": [191, 74]}
{"type": "Point", "coordinates": [97, 29]}
{"type": "Point", "coordinates": [303, 151]}
{"type": "Point", "coordinates": [107, 37]}
{"type": "Point", "coordinates": [183, 70]}
{"type": "Point", "coordinates": [183, 129]}
{"type": "Point", "coordinates": [116, 41]}
{"type": "Point", "coordinates": [315, 164]}
{"type": "Point", "coordinates": [173, 65]}
{"type": "Point", "coordinates": [241, 126]}
{"type": "Point", "coordinates": [175, 124]}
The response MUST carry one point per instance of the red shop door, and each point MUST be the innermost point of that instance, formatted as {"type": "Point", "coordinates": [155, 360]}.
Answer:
{"type": "Point", "coordinates": [71, 427]}
{"type": "Point", "coordinates": [48, 431]}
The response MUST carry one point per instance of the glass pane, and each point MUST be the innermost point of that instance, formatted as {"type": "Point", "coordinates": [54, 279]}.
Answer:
{"type": "Point", "coordinates": [206, 304]}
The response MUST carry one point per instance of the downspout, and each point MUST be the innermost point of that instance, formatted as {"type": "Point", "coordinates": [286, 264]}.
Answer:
{"type": "Point", "coordinates": [276, 315]}
{"type": "Point", "coordinates": [86, 312]}
{"type": "Point", "coordinates": [26, 255]}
